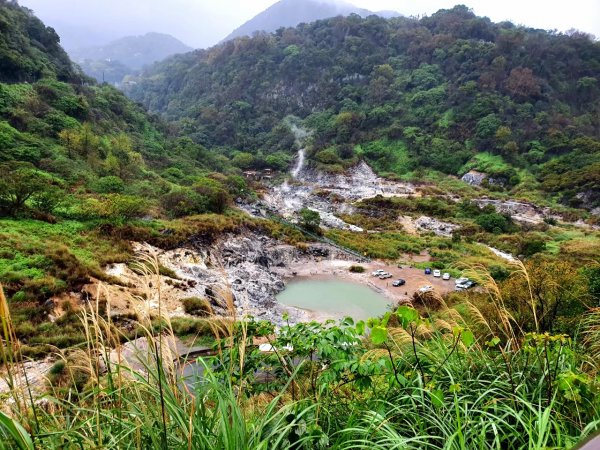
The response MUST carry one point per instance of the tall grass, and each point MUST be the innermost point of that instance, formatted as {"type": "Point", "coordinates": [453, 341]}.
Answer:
{"type": "Point", "coordinates": [425, 387]}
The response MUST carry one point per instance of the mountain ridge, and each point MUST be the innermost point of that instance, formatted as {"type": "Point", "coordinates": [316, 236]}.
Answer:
{"type": "Point", "coordinates": [125, 56]}
{"type": "Point", "coordinates": [290, 13]}
{"type": "Point", "coordinates": [134, 51]}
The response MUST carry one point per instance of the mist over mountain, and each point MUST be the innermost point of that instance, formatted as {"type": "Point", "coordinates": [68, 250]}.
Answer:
{"type": "Point", "coordinates": [133, 51]}
{"type": "Point", "coordinates": [289, 13]}
{"type": "Point", "coordinates": [115, 60]}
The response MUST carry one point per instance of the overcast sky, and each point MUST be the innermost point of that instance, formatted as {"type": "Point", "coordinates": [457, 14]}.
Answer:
{"type": "Point", "coordinates": [201, 23]}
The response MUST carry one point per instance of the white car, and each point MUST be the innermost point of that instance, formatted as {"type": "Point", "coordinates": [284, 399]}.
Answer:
{"type": "Point", "coordinates": [461, 280]}
{"type": "Point", "coordinates": [464, 286]}
{"type": "Point", "coordinates": [385, 276]}
{"type": "Point", "coordinates": [425, 289]}
{"type": "Point", "coordinates": [446, 276]}
{"type": "Point", "coordinates": [437, 273]}
{"type": "Point", "coordinates": [378, 273]}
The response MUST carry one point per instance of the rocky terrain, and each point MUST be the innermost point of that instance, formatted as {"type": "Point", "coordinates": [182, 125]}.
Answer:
{"type": "Point", "coordinates": [331, 194]}
{"type": "Point", "coordinates": [238, 274]}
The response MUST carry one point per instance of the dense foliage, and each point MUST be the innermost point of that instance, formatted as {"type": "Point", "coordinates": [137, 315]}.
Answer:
{"type": "Point", "coordinates": [78, 159]}
{"type": "Point", "coordinates": [28, 49]}
{"type": "Point", "coordinates": [403, 94]}
{"type": "Point", "coordinates": [84, 171]}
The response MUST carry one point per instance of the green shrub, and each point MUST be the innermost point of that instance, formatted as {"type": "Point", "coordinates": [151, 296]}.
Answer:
{"type": "Point", "coordinates": [196, 306]}
{"type": "Point", "coordinates": [184, 326]}
{"type": "Point", "coordinates": [182, 202]}
{"type": "Point", "coordinates": [109, 185]}
{"type": "Point", "coordinates": [493, 223]}
{"type": "Point", "coordinates": [357, 269]}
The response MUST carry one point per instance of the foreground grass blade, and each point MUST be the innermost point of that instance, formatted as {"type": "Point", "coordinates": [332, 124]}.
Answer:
{"type": "Point", "coordinates": [14, 432]}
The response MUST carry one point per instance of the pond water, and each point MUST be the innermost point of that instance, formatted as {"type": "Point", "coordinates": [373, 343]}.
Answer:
{"type": "Point", "coordinates": [335, 299]}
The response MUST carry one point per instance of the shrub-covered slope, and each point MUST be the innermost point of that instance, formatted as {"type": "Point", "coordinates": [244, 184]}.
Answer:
{"type": "Point", "coordinates": [28, 49]}
{"type": "Point", "coordinates": [447, 86]}
{"type": "Point", "coordinates": [78, 159]}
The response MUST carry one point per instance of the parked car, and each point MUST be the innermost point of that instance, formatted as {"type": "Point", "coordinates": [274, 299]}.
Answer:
{"type": "Point", "coordinates": [464, 286]}
{"type": "Point", "coordinates": [446, 276]}
{"type": "Point", "coordinates": [385, 276]}
{"type": "Point", "coordinates": [460, 280]}
{"type": "Point", "coordinates": [399, 282]}
{"type": "Point", "coordinates": [426, 289]}
{"type": "Point", "coordinates": [377, 272]}
{"type": "Point", "coordinates": [437, 273]}
{"type": "Point", "coordinates": [428, 271]}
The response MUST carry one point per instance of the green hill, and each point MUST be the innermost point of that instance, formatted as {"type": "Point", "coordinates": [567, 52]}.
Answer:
{"type": "Point", "coordinates": [78, 159]}
{"type": "Point", "coordinates": [448, 86]}
{"type": "Point", "coordinates": [28, 49]}
{"type": "Point", "coordinates": [85, 174]}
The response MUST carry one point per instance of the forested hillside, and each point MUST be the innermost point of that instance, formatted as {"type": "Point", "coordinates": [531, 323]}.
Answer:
{"type": "Point", "coordinates": [404, 94]}
{"type": "Point", "coordinates": [78, 159]}
{"type": "Point", "coordinates": [138, 305]}
{"type": "Point", "coordinates": [28, 49]}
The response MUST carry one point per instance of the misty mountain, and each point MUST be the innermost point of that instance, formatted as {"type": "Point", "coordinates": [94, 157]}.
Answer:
{"type": "Point", "coordinates": [289, 13]}
{"type": "Point", "coordinates": [133, 51]}
{"type": "Point", "coordinates": [117, 59]}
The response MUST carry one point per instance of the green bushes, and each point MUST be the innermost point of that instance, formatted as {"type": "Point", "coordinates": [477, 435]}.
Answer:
{"type": "Point", "coordinates": [493, 223]}
{"type": "Point", "coordinates": [183, 326]}
{"type": "Point", "coordinates": [114, 207]}
{"type": "Point", "coordinates": [19, 182]}
{"type": "Point", "coordinates": [206, 195]}
{"type": "Point", "coordinates": [357, 269]}
{"type": "Point", "coordinates": [310, 219]}
{"type": "Point", "coordinates": [196, 306]}
{"type": "Point", "coordinates": [109, 185]}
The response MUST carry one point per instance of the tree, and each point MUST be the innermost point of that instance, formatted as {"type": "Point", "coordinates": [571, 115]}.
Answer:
{"type": "Point", "coordinates": [243, 160]}
{"type": "Point", "coordinates": [487, 127]}
{"type": "Point", "coordinates": [48, 199]}
{"type": "Point", "coordinates": [215, 194]}
{"type": "Point", "coordinates": [493, 222]}
{"type": "Point", "coordinates": [19, 182]}
{"type": "Point", "coordinates": [278, 161]}
{"type": "Point", "coordinates": [310, 219]}
{"type": "Point", "coordinates": [183, 202]}
{"type": "Point", "coordinates": [115, 207]}
{"type": "Point", "coordinates": [522, 84]}
{"type": "Point", "coordinates": [80, 141]}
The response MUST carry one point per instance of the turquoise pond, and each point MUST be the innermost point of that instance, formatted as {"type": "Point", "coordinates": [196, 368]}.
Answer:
{"type": "Point", "coordinates": [333, 298]}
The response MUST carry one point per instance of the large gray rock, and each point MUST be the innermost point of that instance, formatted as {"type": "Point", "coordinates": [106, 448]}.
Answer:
{"type": "Point", "coordinates": [436, 226]}
{"type": "Point", "coordinates": [474, 178]}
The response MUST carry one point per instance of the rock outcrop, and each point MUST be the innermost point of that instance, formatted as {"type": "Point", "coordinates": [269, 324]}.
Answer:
{"type": "Point", "coordinates": [436, 226]}
{"type": "Point", "coordinates": [474, 177]}
{"type": "Point", "coordinates": [521, 212]}
{"type": "Point", "coordinates": [315, 190]}
{"type": "Point", "coordinates": [239, 274]}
